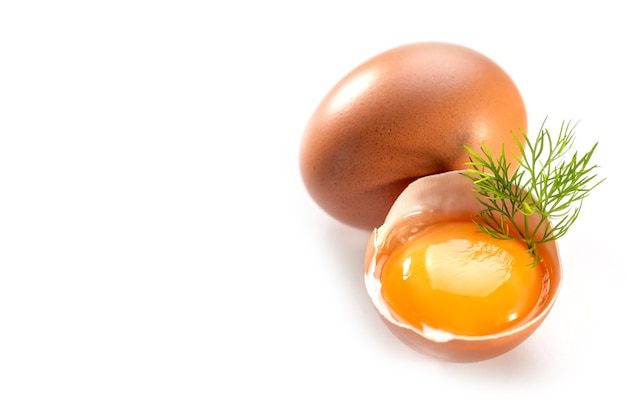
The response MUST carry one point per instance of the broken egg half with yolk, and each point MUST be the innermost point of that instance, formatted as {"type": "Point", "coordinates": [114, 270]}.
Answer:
{"type": "Point", "coordinates": [447, 289]}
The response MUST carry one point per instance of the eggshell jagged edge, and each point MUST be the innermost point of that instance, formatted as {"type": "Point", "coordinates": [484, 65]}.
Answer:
{"type": "Point", "coordinates": [422, 195]}
{"type": "Point", "coordinates": [425, 195]}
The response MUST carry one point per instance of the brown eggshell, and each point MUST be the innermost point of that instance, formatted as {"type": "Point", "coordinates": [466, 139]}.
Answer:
{"type": "Point", "coordinates": [400, 116]}
{"type": "Point", "coordinates": [431, 199]}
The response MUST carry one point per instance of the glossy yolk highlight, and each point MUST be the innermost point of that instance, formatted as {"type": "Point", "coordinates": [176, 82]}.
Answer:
{"type": "Point", "coordinates": [450, 277]}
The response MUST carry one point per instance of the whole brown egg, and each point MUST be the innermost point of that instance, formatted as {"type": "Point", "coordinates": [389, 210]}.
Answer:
{"type": "Point", "coordinates": [401, 115]}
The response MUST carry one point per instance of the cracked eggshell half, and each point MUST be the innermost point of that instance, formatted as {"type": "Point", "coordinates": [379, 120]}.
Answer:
{"type": "Point", "coordinates": [435, 198]}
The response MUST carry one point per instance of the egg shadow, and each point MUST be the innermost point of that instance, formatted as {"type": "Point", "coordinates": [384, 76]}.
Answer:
{"type": "Point", "coordinates": [518, 366]}
{"type": "Point", "coordinates": [348, 246]}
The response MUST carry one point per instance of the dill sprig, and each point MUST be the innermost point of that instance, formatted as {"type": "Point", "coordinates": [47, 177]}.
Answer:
{"type": "Point", "coordinates": [547, 181]}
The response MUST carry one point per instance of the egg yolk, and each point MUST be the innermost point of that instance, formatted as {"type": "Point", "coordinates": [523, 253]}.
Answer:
{"type": "Point", "coordinates": [453, 278]}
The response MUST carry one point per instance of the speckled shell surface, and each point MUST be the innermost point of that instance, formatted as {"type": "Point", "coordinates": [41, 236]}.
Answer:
{"type": "Point", "coordinates": [401, 115]}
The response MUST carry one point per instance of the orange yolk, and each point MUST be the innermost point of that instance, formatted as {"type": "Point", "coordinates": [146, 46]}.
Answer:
{"type": "Point", "coordinates": [450, 277]}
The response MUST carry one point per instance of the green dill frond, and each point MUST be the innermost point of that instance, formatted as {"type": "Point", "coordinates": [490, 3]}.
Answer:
{"type": "Point", "coordinates": [550, 182]}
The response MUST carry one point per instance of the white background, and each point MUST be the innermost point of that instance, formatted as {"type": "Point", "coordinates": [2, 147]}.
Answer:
{"type": "Point", "coordinates": [159, 254]}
